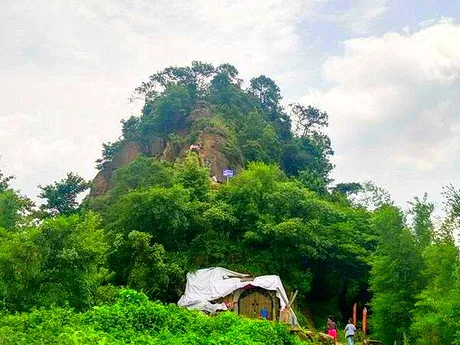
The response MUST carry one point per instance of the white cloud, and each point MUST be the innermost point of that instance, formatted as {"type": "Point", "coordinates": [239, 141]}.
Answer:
{"type": "Point", "coordinates": [394, 110]}
{"type": "Point", "coordinates": [67, 68]}
{"type": "Point", "coordinates": [360, 16]}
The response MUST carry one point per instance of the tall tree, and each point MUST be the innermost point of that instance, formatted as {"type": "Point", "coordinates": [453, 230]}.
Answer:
{"type": "Point", "coordinates": [308, 120]}
{"type": "Point", "coordinates": [268, 94]}
{"type": "Point", "coordinates": [62, 197]}
{"type": "Point", "coordinates": [437, 311]}
{"type": "Point", "coordinates": [396, 278]}
{"type": "Point", "coordinates": [371, 196]}
{"type": "Point", "coordinates": [422, 224]}
{"type": "Point", "coordinates": [15, 209]}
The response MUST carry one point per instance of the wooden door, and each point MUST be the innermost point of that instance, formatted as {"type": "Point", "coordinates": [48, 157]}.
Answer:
{"type": "Point", "coordinates": [253, 300]}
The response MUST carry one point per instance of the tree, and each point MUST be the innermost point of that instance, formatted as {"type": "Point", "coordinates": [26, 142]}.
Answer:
{"type": "Point", "coordinates": [452, 209]}
{"type": "Point", "coordinates": [422, 225]}
{"type": "Point", "coordinates": [142, 173]}
{"type": "Point", "coordinates": [109, 151]}
{"type": "Point", "coordinates": [437, 310]}
{"type": "Point", "coordinates": [230, 72]}
{"type": "Point", "coordinates": [15, 209]}
{"type": "Point", "coordinates": [311, 148]}
{"type": "Point", "coordinates": [396, 278]}
{"type": "Point", "coordinates": [164, 213]}
{"type": "Point", "coordinates": [195, 79]}
{"type": "Point", "coordinates": [60, 262]}
{"type": "Point", "coordinates": [259, 140]}
{"type": "Point", "coordinates": [168, 113]}
{"type": "Point", "coordinates": [5, 182]}
{"type": "Point", "coordinates": [268, 94]}
{"type": "Point", "coordinates": [130, 128]}
{"type": "Point", "coordinates": [308, 153]}
{"type": "Point", "coordinates": [348, 188]}
{"type": "Point", "coordinates": [308, 120]}
{"type": "Point", "coordinates": [152, 270]}
{"type": "Point", "coordinates": [371, 196]}
{"type": "Point", "coordinates": [193, 177]}
{"type": "Point", "coordinates": [61, 197]}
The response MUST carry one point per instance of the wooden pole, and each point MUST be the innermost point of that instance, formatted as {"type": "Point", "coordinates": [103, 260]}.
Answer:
{"type": "Point", "coordinates": [355, 314]}
{"type": "Point", "coordinates": [364, 321]}
{"type": "Point", "coordinates": [293, 298]}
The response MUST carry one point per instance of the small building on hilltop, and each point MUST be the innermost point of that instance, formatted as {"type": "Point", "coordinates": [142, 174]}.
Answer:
{"type": "Point", "coordinates": [216, 289]}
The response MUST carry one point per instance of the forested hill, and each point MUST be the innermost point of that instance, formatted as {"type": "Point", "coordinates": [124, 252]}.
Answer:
{"type": "Point", "coordinates": [159, 208]}
{"type": "Point", "coordinates": [208, 106]}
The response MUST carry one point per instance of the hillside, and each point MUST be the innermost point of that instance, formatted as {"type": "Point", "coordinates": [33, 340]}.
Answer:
{"type": "Point", "coordinates": [158, 209]}
{"type": "Point", "coordinates": [212, 142]}
{"type": "Point", "coordinates": [206, 106]}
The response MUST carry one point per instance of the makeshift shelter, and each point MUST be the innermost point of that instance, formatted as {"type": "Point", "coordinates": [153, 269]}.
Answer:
{"type": "Point", "coordinates": [214, 289]}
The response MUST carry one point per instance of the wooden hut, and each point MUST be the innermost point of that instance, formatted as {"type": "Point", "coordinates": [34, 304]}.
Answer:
{"type": "Point", "coordinates": [250, 300]}
{"type": "Point", "coordinates": [216, 288]}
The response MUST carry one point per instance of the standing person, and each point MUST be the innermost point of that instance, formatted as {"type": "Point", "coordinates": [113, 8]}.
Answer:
{"type": "Point", "coordinates": [332, 328]}
{"type": "Point", "coordinates": [264, 313]}
{"type": "Point", "coordinates": [350, 330]}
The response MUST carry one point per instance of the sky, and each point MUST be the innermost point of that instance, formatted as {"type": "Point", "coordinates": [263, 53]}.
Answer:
{"type": "Point", "coordinates": [387, 72]}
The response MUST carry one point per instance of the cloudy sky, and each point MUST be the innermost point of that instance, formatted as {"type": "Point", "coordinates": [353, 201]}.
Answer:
{"type": "Point", "coordinates": [386, 71]}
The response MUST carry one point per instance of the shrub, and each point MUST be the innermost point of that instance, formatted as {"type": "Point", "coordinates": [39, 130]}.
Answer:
{"type": "Point", "coordinates": [133, 319]}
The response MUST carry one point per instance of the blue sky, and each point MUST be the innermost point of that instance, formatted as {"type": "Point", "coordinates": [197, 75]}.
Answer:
{"type": "Point", "coordinates": [387, 72]}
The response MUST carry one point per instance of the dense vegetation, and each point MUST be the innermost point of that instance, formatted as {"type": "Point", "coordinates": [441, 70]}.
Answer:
{"type": "Point", "coordinates": [335, 244]}
{"type": "Point", "coordinates": [133, 319]}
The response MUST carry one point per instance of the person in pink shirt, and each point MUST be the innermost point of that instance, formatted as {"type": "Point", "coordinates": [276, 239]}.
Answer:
{"type": "Point", "coordinates": [332, 328]}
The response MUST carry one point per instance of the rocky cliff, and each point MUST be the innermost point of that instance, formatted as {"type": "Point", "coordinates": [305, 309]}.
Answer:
{"type": "Point", "coordinates": [211, 143]}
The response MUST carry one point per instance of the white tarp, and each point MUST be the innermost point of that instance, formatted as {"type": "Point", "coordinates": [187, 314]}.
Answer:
{"type": "Point", "coordinates": [209, 284]}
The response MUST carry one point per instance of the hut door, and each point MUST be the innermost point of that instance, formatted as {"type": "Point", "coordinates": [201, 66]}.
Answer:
{"type": "Point", "coordinates": [253, 300]}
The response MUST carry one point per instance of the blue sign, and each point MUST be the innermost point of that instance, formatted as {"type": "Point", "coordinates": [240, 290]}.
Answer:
{"type": "Point", "coordinates": [228, 173]}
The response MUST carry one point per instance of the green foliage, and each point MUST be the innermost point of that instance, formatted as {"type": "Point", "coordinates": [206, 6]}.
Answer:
{"type": "Point", "coordinates": [348, 189]}
{"type": "Point", "coordinates": [162, 212]}
{"type": "Point", "coordinates": [268, 94]}
{"type": "Point", "coordinates": [109, 152]}
{"type": "Point", "coordinates": [308, 153]}
{"type": "Point", "coordinates": [259, 140]}
{"type": "Point", "coordinates": [193, 177]}
{"type": "Point", "coordinates": [422, 211]}
{"type": "Point", "coordinates": [135, 320]}
{"type": "Point", "coordinates": [60, 262]}
{"type": "Point", "coordinates": [437, 311]}
{"type": "Point", "coordinates": [371, 196]}
{"type": "Point", "coordinates": [130, 128]}
{"type": "Point", "coordinates": [5, 182]}
{"type": "Point", "coordinates": [396, 276]}
{"type": "Point", "coordinates": [142, 173]}
{"type": "Point", "coordinates": [15, 209]}
{"type": "Point", "coordinates": [151, 270]}
{"type": "Point", "coordinates": [171, 109]}
{"type": "Point", "coordinates": [308, 120]}
{"type": "Point", "coordinates": [61, 197]}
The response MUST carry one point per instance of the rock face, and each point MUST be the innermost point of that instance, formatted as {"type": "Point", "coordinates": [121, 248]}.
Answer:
{"type": "Point", "coordinates": [213, 151]}
{"type": "Point", "coordinates": [201, 110]}
{"type": "Point", "coordinates": [103, 180]}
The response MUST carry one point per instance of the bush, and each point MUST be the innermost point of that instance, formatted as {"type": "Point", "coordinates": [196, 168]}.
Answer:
{"type": "Point", "coordinates": [133, 319]}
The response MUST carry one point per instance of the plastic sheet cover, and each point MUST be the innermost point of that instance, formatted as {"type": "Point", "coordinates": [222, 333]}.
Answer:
{"type": "Point", "coordinates": [209, 284]}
